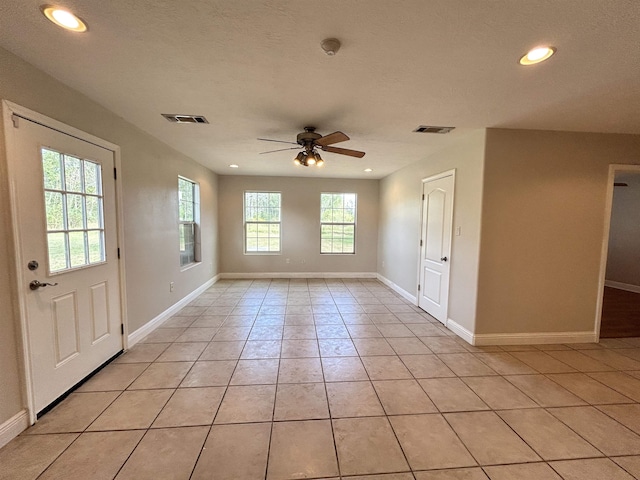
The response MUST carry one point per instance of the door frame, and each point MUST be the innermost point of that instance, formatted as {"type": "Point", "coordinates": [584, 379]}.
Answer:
{"type": "Point", "coordinates": [613, 169]}
{"type": "Point", "coordinates": [437, 176]}
{"type": "Point", "coordinates": [8, 110]}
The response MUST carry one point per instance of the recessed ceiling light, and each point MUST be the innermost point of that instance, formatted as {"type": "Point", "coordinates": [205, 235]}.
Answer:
{"type": "Point", "coordinates": [368, 170]}
{"type": "Point", "coordinates": [233, 165]}
{"type": "Point", "coordinates": [537, 55]}
{"type": "Point", "coordinates": [64, 18]}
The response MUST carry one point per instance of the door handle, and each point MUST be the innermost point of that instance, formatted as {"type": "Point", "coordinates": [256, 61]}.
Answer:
{"type": "Point", "coordinates": [444, 259]}
{"type": "Point", "coordinates": [35, 284]}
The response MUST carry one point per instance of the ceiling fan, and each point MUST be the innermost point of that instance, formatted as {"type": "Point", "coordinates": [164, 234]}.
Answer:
{"type": "Point", "coordinates": [311, 141]}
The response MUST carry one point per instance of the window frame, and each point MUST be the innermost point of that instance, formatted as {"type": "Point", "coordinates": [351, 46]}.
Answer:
{"type": "Point", "coordinates": [246, 223]}
{"type": "Point", "coordinates": [195, 223]}
{"type": "Point", "coordinates": [65, 193]}
{"type": "Point", "coordinates": [343, 224]}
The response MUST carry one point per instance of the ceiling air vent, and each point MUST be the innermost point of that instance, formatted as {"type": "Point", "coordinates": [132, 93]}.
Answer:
{"type": "Point", "coordinates": [174, 118]}
{"type": "Point", "coordinates": [431, 129]}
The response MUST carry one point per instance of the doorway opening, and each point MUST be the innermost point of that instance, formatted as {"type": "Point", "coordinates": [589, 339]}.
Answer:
{"type": "Point", "coordinates": [620, 268]}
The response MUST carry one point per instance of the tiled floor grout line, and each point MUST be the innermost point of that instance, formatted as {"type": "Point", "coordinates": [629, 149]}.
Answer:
{"type": "Point", "coordinates": [326, 392]}
{"type": "Point", "coordinates": [273, 410]}
{"type": "Point", "coordinates": [226, 389]}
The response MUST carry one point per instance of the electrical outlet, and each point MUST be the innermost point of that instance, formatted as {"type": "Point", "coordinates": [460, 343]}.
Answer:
{"type": "Point", "coordinates": [458, 233]}
{"type": "Point", "coordinates": [288, 260]}
{"type": "Point", "coordinates": [170, 286]}
{"type": "Point", "coordinates": [303, 261]}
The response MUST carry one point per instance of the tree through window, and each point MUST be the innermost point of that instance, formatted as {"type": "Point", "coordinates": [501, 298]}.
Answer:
{"type": "Point", "coordinates": [262, 216]}
{"type": "Point", "coordinates": [73, 206]}
{"type": "Point", "coordinates": [188, 213]}
{"type": "Point", "coordinates": [338, 223]}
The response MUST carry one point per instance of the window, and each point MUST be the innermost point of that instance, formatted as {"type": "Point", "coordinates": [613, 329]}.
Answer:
{"type": "Point", "coordinates": [189, 217]}
{"type": "Point", "coordinates": [337, 223]}
{"type": "Point", "coordinates": [262, 211]}
{"type": "Point", "coordinates": [73, 208]}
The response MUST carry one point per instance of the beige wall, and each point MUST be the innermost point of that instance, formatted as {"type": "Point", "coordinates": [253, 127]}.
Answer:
{"type": "Point", "coordinates": [149, 178]}
{"type": "Point", "coordinates": [300, 225]}
{"type": "Point", "coordinates": [543, 218]}
{"type": "Point", "coordinates": [623, 259]}
{"type": "Point", "coordinates": [400, 222]}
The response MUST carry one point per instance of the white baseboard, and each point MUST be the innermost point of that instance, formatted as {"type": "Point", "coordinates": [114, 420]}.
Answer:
{"type": "Point", "coordinates": [461, 331]}
{"type": "Point", "coordinates": [13, 427]}
{"type": "Point", "coordinates": [622, 286]}
{"type": "Point", "coordinates": [534, 338]}
{"type": "Point", "coordinates": [254, 275]}
{"type": "Point", "coordinates": [154, 323]}
{"type": "Point", "coordinates": [396, 288]}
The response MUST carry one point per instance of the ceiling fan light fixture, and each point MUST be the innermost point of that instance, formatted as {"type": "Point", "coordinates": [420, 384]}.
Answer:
{"type": "Point", "coordinates": [309, 142]}
{"type": "Point", "coordinates": [311, 159]}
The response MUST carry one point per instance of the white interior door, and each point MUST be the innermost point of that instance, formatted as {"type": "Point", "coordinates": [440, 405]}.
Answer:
{"type": "Point", "coordinates": [435, 252]}
{"type": "Point", "coordinates": [65, 213]}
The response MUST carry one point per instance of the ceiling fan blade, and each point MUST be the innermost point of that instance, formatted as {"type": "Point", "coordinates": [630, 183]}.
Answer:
{"type": "Point", "coordinates": [282, 149]}
{"type": "Point", "coordinates": [344, 151]}
{"type": "Point", "coordinates": [278, 141]}
{"type": "Point", "coordinates": [332, 138]}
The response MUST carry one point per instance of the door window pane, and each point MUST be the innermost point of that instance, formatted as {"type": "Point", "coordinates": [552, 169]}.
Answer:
{"type": "Point", "coordinates": [92, 209]}
{"type": "Point", "coordinates": [72, 174]}
{"type": "Point", "coordinates": [73, 209]}
{"type": "Point", "coordinates": [54, 209]}
{"type": "Point", "coordinates": [77, 249]}
{"type": "Point", "coordinates": [75, 212]}
{"type": "Point", "coordinates": [57, 251]}
{"type": "Point", "coordinates": [92, 180]}
{"type": "Point", "coordinates": [52, 169]}
{"type": "Point", "coordinates": [94, 241]}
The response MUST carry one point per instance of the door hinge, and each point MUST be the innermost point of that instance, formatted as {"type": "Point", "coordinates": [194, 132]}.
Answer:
{"type": "Point", "coordinates": [16, 121]}
{"type": "Point", "coordinates": [423, 196]}
{"type": "Point", "coordinates": [122, 328]}
{"type": "Point", "coordinates": [118, 252]}
{"type": "Point", "coordinates": [418, 287]}
{"type": "Point", "coordinates": [420, 242]}
{"type": "Point", "coordinates": [115, 173]}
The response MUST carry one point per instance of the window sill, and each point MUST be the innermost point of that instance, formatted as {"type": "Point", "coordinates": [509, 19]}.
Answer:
{"type": "Point", "coordinates": [189, 266]}
{"type": "Point", "coordinates": [262, 253]}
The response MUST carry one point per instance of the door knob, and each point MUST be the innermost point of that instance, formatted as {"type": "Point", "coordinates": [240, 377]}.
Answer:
{"type": "Point", "coordinates": [444, 259]}
{"type": "Point", "coordinates": [35, 284]}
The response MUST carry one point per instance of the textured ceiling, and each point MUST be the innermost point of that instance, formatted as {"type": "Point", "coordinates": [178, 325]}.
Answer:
{"type": "Point", "coordinates": [256, 69]}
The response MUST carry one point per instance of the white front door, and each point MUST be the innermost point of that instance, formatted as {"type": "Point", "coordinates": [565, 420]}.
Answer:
{"type": "Point", "coordinates": [64, 207]}
{"type": "Point", "coordinates": [435, 251]}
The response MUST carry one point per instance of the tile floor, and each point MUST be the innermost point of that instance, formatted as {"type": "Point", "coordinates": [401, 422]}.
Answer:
{"type": "Point", "coordinates": [287, 379]}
